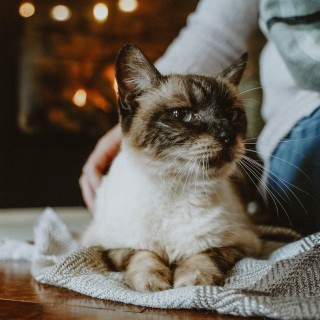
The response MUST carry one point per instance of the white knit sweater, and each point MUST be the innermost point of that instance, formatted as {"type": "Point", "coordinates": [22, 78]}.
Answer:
{"type": "Point", "coordinates": [216, 34]}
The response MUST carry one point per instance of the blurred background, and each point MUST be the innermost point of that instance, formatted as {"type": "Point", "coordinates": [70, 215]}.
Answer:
{"type": "Point", "coordinates": [57, 86]}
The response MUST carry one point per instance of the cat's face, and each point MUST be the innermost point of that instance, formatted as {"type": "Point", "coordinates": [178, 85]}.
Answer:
{"type": "Point", "coordinates": [185, 122]}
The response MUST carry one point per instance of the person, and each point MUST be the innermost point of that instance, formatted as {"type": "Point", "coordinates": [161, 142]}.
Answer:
{"type": "Point", "coordinates": [216, 34]}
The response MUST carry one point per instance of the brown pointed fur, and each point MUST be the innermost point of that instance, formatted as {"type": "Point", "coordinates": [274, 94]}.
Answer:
{"type": "Point", "coordinates": [172, 125]}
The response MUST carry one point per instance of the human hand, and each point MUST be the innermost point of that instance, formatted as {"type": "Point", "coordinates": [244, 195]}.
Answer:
{"type": "Point", "coordinates": [102, 155]}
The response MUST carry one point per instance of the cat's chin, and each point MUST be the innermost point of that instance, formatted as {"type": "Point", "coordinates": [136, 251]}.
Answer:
{"type": "Point", "coordinates": [223, 164]}
{"type": "Point", "coordinates": [224, 158]}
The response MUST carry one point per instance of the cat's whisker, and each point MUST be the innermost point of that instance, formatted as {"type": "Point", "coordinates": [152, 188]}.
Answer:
{"type": "Point", "coordinates": [173, 166]}
{"type": "Point", "coordinates": [295, 196]}
{"type": "Point", "coordinates": [287, 162]}
{"type": "Point", "coordinates": [275, 200]}
{"type": "Point", "coordinates": [196, 174]}
{"type": "Point", "coordinates": [251, 106]}
{"type": "Point", "coordinates": [187, 177]}
{"type": "Point", "coordinates": [282, 185]}
{"type": "Point", "coordinates": [270, 173]}
{"type": "Point", "coordinates": [249, 90]}
{"type": "Point", "coordinates": [203, 171]}
{"type": "Point", "coordinates": [205, 175]}
{"type": "Point", "coordinates": [253, 82]}
{"type": "Point", "coordinates": [198, 171]}
{"type": "Point", "coordinates": [250, 99]}
{"type": "Point", "coordinates": [251, 140]}
{"type": "Point", "coordinates": [248, 175]}
{"type": "Point", "coordinates": [257, 169]}
{"type": "Point", "coordinates": [254, 138]}
{"type": "Point", "coordinates": [273, 197]}
{"type": "Point", "coordinates": [179, 175]}
{"type": "Point", "coordinates": [288, 140]}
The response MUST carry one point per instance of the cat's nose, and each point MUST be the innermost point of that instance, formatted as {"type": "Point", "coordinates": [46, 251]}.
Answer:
{"type": "Point", "coordinates": [227, 138]}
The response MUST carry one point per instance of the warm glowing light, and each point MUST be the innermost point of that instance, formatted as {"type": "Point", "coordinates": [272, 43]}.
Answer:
{"type": "Point", "coordinates": [80, 98]}
{"type": "Point", "coordinates": [115, 86]}
{"type": "Point", "coordinates": [60, 13]}
{"type": "Point", "coordinates": [108, 73]}
{"type": "Point", "coordinates": [27, 9]}
{"type": "Point", "coordinates": [99, 101]}
{"type": "Point", "coordinates": [100, 12]}
{"type": "Point", "coordinates": [128, 5]}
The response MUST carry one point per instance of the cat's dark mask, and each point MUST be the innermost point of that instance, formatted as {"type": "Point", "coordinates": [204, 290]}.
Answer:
{"type": "Point", "coordinates": [162, 114]}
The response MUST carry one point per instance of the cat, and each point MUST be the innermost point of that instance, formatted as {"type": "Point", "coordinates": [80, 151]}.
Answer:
{"type": "Point", "coordinates": [168, 213]}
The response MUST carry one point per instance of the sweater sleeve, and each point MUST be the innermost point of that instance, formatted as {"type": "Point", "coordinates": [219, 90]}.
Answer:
{"type": "Point", "coordinates": [216, 35]}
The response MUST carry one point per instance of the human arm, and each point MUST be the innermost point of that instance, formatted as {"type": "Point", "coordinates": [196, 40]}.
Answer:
{"type": "Point", "coordinates": [102, 155]}
{"type": "Point", "coordinates": [215, 36]}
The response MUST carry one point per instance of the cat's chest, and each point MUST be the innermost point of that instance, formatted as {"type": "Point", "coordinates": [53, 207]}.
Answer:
{"type": "Point", "coordinates": [180, 229]}
{"type": "Point", "coordinates": [156, 222]}
{"type": "Point", "coordinates": [137, 211]}
{"type": "Point", "coordinates": [140, 213]}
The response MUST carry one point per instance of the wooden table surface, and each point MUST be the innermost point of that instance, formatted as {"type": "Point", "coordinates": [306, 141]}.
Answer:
{"type": "Point", "coordinates": [21, 297]}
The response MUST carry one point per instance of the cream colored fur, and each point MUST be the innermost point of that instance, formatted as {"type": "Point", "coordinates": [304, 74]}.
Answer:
{"type": "Point", "coordinates": [167, 213]}
{"type": "Point", "coordinates": [174, 217]}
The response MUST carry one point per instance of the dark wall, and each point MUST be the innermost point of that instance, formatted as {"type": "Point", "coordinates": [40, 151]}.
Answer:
{"type": "Point", "coordinates": [33, 171]}
{"type": "Point", "coordinates": [44, 170]}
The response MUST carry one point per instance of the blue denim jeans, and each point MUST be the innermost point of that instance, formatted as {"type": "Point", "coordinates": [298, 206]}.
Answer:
{"type": "Point", "coordinates": [295, 177]}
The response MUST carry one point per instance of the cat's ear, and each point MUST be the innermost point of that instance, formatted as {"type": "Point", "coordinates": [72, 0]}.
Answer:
{"type": "Point", "coordinates": [135, 73]}
{"type": "Point", "coordinates": [235, 71]}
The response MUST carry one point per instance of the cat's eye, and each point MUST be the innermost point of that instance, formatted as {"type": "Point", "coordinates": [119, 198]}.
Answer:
{"type": "Point", "coordinates": [184, 115]}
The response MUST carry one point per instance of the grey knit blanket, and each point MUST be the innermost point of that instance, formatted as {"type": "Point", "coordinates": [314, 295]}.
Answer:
{"type": "Point", "coordinates": [285, 285]}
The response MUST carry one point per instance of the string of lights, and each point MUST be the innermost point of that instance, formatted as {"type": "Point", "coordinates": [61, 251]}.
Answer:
{"type": "Point", "coordinates": [61, 12]}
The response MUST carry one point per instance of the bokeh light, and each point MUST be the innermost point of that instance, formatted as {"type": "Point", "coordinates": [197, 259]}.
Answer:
{"type": "Point", "coordinates": [27, 9]}
{"type": "Point", "coordinates": [128, 5]}
{"type": "Point", "coordinates": [60, 13]}
{"type": "Point", "coordinates": [100, 12]}
{"type": "Point", "coordinates": [80, 98]}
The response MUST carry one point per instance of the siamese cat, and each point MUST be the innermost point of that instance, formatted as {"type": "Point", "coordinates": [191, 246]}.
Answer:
{"type": "Point", "coordinates": [168, 213]}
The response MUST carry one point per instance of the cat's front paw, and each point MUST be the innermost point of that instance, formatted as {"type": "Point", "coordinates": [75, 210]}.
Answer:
{"type": "Point", "coordinates": [197, 278]}
{"type": "Point", "coordinates": [147, 272]}
{"type": "Point", "coordinates": [206, 268]}
{"type": "Point", "coordinates": [197, 271]}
